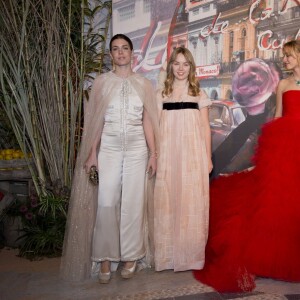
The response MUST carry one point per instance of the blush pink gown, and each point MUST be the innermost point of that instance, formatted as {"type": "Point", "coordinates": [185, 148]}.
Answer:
{"type": "Point", "coordinates": [181, 194]}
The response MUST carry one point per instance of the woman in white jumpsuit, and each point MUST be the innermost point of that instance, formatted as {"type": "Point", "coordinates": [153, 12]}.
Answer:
{"type": "Point", "coordinates": [123, 148]}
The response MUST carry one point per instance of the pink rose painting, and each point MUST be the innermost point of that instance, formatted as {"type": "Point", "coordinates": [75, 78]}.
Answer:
{"type": "Point", "coordinates": [253, 83]}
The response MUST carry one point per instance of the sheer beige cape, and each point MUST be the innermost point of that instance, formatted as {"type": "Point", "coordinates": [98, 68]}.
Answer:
{"type": "Point", "coordinates": [76, 259]}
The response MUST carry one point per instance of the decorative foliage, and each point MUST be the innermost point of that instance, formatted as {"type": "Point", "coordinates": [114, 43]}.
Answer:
{"type": "Point", "coordinates": [43, 67]}
{"type": "Point", "coordinates": [43, 221]}
{"type": "Point", "coordinates": [7, 137]}
{"type": "Point", "coordinates": [48, 50]}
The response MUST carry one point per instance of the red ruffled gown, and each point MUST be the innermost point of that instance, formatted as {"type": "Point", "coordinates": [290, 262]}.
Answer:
{"type": "Point", "coordinates": [255, 216]}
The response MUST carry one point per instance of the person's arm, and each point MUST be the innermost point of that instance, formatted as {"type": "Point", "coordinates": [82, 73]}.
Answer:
{"type": "Point", "coordinates": [204, 104]}
{"type": "Point", "coordinates": [279, 91]}
{"type": "Point", "coordinates": [89, 114]}
{"type": "Point", "coordinates": [207, 136]}
{"type": "Point", "coordinates": [159, 102]}
{"type": "Point", "coordinates": [149, 134]}
{"type": "Point", "coordinates": [92, 159]}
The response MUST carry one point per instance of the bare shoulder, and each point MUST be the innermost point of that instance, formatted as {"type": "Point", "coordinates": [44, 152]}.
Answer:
{"type": "Point", "coordinates": [284, 85]}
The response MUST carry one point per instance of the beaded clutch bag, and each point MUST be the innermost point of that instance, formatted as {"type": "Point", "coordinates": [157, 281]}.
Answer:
{"type": "Point", "coordinates": [93, 175]}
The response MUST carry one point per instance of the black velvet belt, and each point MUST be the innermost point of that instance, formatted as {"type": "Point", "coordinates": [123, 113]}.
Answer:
{"type": "Point", "coordinates": [180, 105]}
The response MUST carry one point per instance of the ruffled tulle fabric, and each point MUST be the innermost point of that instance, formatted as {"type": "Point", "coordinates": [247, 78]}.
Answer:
{"type": "Point", "coordinates": [224, 267]}
{"type": "Point", "coordinates": [254, 216]}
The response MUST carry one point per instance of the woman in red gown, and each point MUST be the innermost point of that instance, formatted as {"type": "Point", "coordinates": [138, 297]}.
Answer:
{"type": "Point", "coordinates": [255, 215]}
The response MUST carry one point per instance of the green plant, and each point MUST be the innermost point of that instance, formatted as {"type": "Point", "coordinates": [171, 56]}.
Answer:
{"type": "Point", "coordinates": [43, 219]}
{"type": "Point", "coordinates": [47, 50]}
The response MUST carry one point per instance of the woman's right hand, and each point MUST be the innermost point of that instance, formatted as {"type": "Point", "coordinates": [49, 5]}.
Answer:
{"type": "Point", "coordinates": [91, 161]}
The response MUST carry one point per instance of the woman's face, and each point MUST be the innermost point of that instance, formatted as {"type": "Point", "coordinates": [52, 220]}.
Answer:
{"type": "Point", "coordinates": [121, 52]}
{"type": "Point", "coordinates": [290, 60]}
{"type": "Point", "coordinates": [181, 67]}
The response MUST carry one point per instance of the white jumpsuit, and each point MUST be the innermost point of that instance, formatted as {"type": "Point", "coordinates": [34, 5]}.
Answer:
{"type": "Point", "coordinates": [119, 229]}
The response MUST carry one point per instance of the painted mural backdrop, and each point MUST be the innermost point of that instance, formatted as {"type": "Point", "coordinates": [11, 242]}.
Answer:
{"type": "Point", "coordinates": [237, 49]}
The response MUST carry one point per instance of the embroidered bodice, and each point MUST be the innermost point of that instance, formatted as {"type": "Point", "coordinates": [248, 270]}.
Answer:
{"type": "Point", "coordinates": [124, 113]}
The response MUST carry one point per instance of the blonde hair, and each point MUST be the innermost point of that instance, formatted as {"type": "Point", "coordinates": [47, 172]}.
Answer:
{"type": "Point", "coordinates": [193, 88]}
{"type": "Point", "coordinates": [292, 48]}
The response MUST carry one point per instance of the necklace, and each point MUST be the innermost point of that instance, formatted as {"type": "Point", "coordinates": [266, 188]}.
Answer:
{"type": "Point", "coordinates": [297, 81]}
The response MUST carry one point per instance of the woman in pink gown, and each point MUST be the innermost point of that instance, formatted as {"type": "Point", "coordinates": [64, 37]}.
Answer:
{"type": "Point", "coordinates": [181, 194]}
{"type": "Point", "coordinates": [255, 215]}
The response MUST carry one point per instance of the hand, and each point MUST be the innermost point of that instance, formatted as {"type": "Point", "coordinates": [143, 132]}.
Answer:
{"type": "Point", "coordinates": [91, 161]}
{"type": "Point", "coordinates": [210, 165]}
{"type": "Point", "coordinates": [152, 166]}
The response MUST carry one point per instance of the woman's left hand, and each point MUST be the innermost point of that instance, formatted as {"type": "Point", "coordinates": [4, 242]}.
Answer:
{"type": "Point", "coordinates": [152, 165]}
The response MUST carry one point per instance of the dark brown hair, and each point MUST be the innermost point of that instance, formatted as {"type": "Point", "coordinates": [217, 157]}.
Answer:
{"type": "Point", "coordinates": [121, 37]}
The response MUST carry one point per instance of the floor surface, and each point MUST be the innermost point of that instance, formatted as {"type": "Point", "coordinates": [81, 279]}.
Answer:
{"type": "Point", "coordinates": [21, 279]}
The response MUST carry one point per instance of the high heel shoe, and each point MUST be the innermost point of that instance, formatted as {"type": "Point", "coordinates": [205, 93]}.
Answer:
{"type": "Point", "coordinates": [104, 277]}
{"type": "Point", "coordinates": [128, 273]}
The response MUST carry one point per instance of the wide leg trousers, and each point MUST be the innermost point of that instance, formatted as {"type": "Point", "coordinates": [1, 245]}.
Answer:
{"type": "Point", "coordinates": [119, 227]}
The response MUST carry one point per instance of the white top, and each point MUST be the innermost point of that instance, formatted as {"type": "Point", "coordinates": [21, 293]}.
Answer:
{"type": "Point", "coordinates": [124, 114]}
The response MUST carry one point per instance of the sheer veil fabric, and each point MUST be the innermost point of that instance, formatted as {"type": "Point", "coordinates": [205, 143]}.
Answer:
{"type": "Point", "coordinates": [76, 261]}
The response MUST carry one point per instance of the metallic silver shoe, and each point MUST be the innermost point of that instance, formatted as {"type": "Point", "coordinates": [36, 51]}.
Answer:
{"type": "Point", "coordinates": [104, 277]}
{"type": "Point", "coordinates": [128, 273]}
